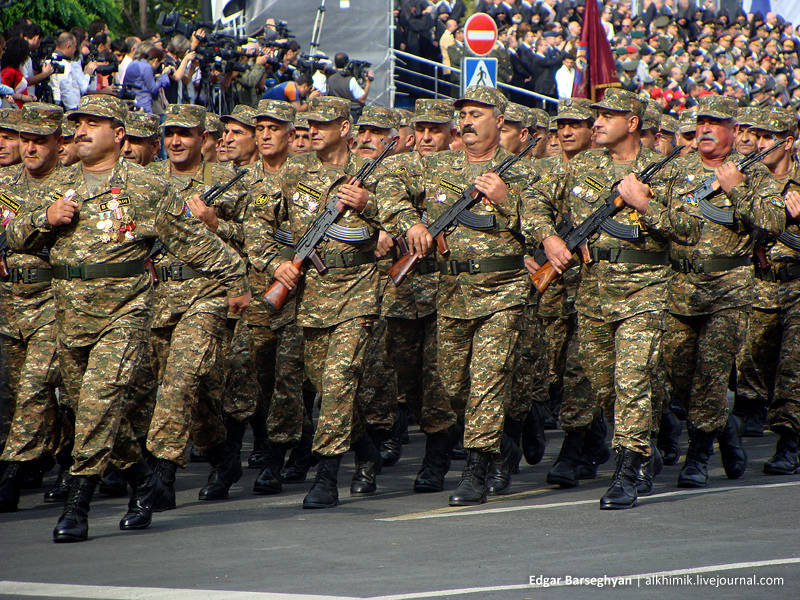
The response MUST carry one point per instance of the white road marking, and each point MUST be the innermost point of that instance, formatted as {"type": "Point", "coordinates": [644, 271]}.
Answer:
{"type": "Point", "coordinates": [436, 514]}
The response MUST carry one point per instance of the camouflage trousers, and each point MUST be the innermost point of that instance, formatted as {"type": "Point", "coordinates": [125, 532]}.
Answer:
{"type": "Point", "coordinates": [784, 412]}
{"type": "Point", "coordinates": [278, 356]}
{"type": "Point", "coordinates": [13, 356]}
{"type": "Point", "coordinates": [97, 378]}
{"type": "Point", "coordinates": [566, 371]}
{"type": "Point", "coordinates": [531, 377]}
{"type": "Point", "coordinates": [620, 360]}
{"type": "Point", "coordinates": [243, 394]}
{"type": "Point", "coordinates": [35, 427]}
{"type": "Point", "coordinates": [142, 394]}
{"type": "Point", "coordinates": [476, 364]}
{"type": "Point", "coordinates": [411, 344]}
{"type": "Point", "coordinates": [757, 361]}
{"type": "Point", "coordinates": [334, 362]}
{"type": "Point", "coordinates": [699, 353]}
{"type": "Point", "coordinates": [377, 390]}
{"type": "Point", "coordinates": [189, 368]}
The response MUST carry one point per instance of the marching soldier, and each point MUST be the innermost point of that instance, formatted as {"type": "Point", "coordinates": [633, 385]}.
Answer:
{"type": "Point", "coordinates": [142, 138]}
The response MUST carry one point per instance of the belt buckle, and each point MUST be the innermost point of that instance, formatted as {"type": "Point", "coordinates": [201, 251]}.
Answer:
{"type": "Point", "coordinates": [29, 275]}
{"type": "Point", "coordinates": [176, 273]}
{"type": "Point", "coordinates": [451, 267]}
{"type": "Point", "coordinates": [74, 272]}
{"type": "Point", "coordinates": [473, 266]}
{"type": "Point", "coordinates": [348, 260]}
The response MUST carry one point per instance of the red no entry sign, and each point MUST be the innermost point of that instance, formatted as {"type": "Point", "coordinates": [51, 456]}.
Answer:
{"type": "Point", "coordinates": [480, 33]}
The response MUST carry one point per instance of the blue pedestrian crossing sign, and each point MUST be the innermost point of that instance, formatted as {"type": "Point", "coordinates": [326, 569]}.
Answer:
{"type": "Point", "coordinates": [478, 71]}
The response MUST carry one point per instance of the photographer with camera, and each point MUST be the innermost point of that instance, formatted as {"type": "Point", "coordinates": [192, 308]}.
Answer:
{"type": "Point", "coordinates": [344, 84]}
{"type": "Point", "coordinates": [69, 82]}
{"type": "Point", "coordinates": [140, 75]}
{"type": "Point", "coordinates": [298, 92]}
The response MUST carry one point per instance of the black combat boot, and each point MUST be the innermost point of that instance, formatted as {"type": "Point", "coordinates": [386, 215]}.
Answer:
{"type": "Point", "coordinates": [668, 436]}
{"type": "Point", "coordinates": [622, 491]}
{"type": "Point", "coordinates": [649, 471]}
{"type": "Point", "coordinates": [59, 491]}
{"type": "Point", "coordinates": [32, 472]}
{"type": "Point", "coordinates": [533, 438]}
{"type": "Point", "coordinates": [498, 480]}
{"type": "Point", "coordinates": [785, 460]}
{"type": "Point", "coordinates": [564, 472]}
{"type": "Point", "coordinates": [113, 484]}
{"type": "Point", "coordinates": [234, 433]}
{"type": "Point", "coordinates": [300, 458]}
{"type": "Point", "coordinates": [457, 452]}
{"type": "Point", "coordinates": [10, 486]}
{"type": "Point", "coordinates": [552, 407]}
{"type": "Point", "coordinates": [147, 489]}
{"type": "Point", "coordinates": [734, 458]}
{"type": "Point", "coordinates": [73, 525]}
{"type": "Point", "coordinates": [367, 466]}
{"type": "Point", "coordinates": [392, 448]}
{"type": "Point", "coordinates": [752, 414]}
{"type": "Point", "coordinates": [595, 449]}
{"type": "Point", "coordinates": [694, 473]}
{"type": "Point", "coordinates": [165, 470]}
{"type": "Point", "coordinates": [258, 456]}
{"type": "Point", "coordinates": [435, 462]}
{"type": "Point", "coordinates": [324, 493]}
{"type": "Point", "coordinates": [226, 469]}
{"type": "Point", "coordinates": [268, 481]}
{"type": "Point", "coordinates": [471, 489]}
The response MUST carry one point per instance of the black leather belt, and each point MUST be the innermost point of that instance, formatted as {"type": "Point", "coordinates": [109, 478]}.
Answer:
{"type": "Point", "coordinates": [131, 268]}
{"type": "Point", "coordinates": [342, 260]}
{"type": "Point", "coordinates": [30, 275]}
{"type": "Point", "coordinates": [176, 273]}
{"type": "Point", "coordinates": [482, 265]}
{"type": "Point", "coordinates": [628, 255]}
{"type": "Point", "coordinates": [711, 265]}
{"type": "Point", "coordinates": [427, 265]}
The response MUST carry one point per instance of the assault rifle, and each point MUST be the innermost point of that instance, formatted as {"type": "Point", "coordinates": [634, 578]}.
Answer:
{"type": "Point", "coordinates": [458, 211]}
{"type": "Point", "coordinates": [306, 246]}
{"type": "Point", "coordinates": [208, 197]}
{"type": "Point", "coordinates": [576, 239]}
{"type": "Point", "coordinates": [724, 216]}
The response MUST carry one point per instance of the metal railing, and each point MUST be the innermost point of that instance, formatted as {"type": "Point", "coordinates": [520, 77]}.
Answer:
{"type": "Point", "coordinates": [441, 86]}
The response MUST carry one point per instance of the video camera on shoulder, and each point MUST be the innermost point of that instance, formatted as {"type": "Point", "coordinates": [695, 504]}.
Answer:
{"type": "Point", "coordinates": [359, 69]}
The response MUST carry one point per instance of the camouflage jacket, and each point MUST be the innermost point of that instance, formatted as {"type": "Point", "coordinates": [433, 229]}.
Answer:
{"type": "Point", "coordinates": [445, 175]}
{"type": "Point", "coordinates": [263, 209]}
{"type": "Point", "coordinates": [25, 306]}
{"type": "Point", "coordinates": [613, 291]}
{"type": "Point", "coordinates": [140, 207]}
{"type": "Point", "coordinates": [176, 299]}
{"type": "Point", "coordinates": [416, 296]}
{"type": "Point", "coordinates": [757, 205]}
{"type": "Point", "coordinates": [340, 294]}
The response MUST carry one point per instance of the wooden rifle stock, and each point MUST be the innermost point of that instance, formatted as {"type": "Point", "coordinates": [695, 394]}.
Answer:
{"type": "Point", "coordinates": [277, 293]}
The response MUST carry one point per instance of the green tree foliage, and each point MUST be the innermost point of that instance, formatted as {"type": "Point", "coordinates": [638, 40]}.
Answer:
{"type": "Point", "coordinates": [58, 15]}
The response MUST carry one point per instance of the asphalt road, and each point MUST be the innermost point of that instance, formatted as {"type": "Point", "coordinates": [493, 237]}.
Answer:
{"type": "Point", "coordinates": [730, 540]}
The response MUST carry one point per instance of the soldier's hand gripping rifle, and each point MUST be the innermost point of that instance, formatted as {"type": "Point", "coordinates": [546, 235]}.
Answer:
{"type": "Point", "coordinates": [577, 238]}
{"type": "Point", "coordinates": [709, 185]}
{"type": "Point", "coordinates": [306, 248]}
{"type": "Point", "coordinates": [208, 197]}
{"type": "Point", "coordinates": [458, 211]}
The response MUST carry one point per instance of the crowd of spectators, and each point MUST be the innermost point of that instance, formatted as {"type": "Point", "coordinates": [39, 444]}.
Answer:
{"type": "Point", "coordinates": [673, 50]}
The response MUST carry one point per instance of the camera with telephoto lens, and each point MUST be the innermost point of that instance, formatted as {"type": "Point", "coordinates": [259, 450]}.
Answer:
{"type": "Point", "coordinates": [359, 69]}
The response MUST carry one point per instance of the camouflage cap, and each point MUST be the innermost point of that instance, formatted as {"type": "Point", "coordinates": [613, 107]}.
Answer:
{"type": "Point", "coordinates": [277, 110]}
{"type": "Point", "coordinates": [301, 122]}
{"type": "Point", "coordinates": [516, 113]}
{"type": "Point", "coordinates": [185, 115]}
{"type": "Point", "coordinates": [328, 108]}
{"type": "Point", "coordinates": [553, 126]}
{"type": "Point", "coordinates": [405, 117]}
{"type": "Point", "coordinates": [748, 116]}
{"type": "Point", "coordinates": [40, 118]}
{"type": "Point", "coordinates": [101, 105]}
{"type": "Point", "coordinates": [142, 125]}
{"type": "Point", "coordinates": [687, 123]}
{"type": "Point", "coordinates": [378, 117]}
{"type": "Point", "coordinates": [483, 95]}
{"type": "Point", "coordinates": [778, 120]}
{"type": "Point", "coordinates": [241, 113]}
{"type": "Point", "coordinates": [539, 119]}
{"type": "Point", "coordinates": [669, 124]}
{"type": "Point", "coordinates": [575, 109]}
{"type": "Point", "coordinates": [213, 125]}
{"type": "Point", "coordinates": [67, 127]}
{"type": "Point", "coordinates": [652, 117]}
{"type": "Point", "coordinates": [717, 107]}
{"type": "Point", "coordinates": [9, 118]}
{"type": "Point", "coordinates": [619, 100]}
{"type": "Point", "coordinates": [433, 111]}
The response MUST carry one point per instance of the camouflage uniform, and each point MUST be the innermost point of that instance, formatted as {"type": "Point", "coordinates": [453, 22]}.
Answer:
{"type": "Point", "coordinates": [479, 313]}
{"type": "Point", "coordinates": [31, 315]}
{"type": "Point", "coordinates": [102, 291]}
{"type": "Point", "coordinates": [189, 328]}
{"type": "Point", "coordinates": [336, 309]}
{"type": "Point", "coordinates": [622, 294]}
{"type": "Point", "coordinates": [711, 293]}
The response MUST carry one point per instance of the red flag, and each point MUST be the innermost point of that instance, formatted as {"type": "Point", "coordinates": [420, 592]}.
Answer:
{"type": "Point", "coordinates": [595, 65]}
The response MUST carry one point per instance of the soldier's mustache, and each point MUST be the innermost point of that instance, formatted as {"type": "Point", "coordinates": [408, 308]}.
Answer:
{"type": "Point", "coordinates": [82, 138]}
{"type": "Point", "coordinates": [708, 136]}
{"type": "Point", "coordinates": [366, 147]}
{"type": "Point", "coordinates": [468, 129]}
